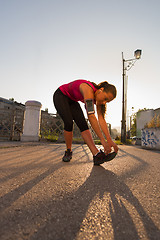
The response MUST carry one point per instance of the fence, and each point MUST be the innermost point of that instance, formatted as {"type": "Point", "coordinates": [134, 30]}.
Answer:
{"type": "Point", "coordinates": [52, 128]}
{"type": "Point", "coordinates": [11, 124]}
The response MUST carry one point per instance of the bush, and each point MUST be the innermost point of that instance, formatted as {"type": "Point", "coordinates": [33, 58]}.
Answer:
{"type": "Point", "coordinates": [51, 138]}
{"type": "Point", "coordinates": [117, 138]}
{"type": "Point", "coordinates": [154, 123]}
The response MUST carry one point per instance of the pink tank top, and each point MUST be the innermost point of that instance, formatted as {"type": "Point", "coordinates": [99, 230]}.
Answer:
{"type": "Point", "coordinates": [72, 90]}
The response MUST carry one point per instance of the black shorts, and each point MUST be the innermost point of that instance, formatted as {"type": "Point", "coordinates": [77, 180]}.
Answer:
{"type": "Point", "coordinates": [69, 111]}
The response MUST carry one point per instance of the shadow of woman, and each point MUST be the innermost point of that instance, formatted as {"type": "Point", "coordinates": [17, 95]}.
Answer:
{"type": "Point", "coordinates": [67, 214]}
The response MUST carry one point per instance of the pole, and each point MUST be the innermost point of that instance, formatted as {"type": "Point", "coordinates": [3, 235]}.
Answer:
{"type": "Point", "coordinates": [123, 124]}
{"type": "Point", "coordinates": [124, 91]}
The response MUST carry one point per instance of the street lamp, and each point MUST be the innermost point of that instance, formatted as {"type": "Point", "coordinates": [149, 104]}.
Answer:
{"type": "Point", "coordinates": [138, 54]}
{"type": "Point", "coordinates": [126, 67]}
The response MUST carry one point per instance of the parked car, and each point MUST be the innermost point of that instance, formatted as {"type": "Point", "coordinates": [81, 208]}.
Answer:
{"type": "Point", "coordinates": [134, 138]}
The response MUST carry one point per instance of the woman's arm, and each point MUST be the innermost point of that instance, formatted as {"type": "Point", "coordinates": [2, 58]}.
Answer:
{"type": "Point", "coordinates": [103, 124]}
{"type": "Point", "coordinates": [104, 128]}
{"type": "Point", "coordinates": [94, 123]}
{"type": "Point", "coordinates": [88, 93]}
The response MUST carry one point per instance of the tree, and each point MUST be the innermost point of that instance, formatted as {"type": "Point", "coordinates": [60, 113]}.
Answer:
{"type": "Point", "coordinates": [134, 125]}
{"type": "Point", "coordinates": [114, 133]}
{"type": "Point", "coordinates": [134, 122]}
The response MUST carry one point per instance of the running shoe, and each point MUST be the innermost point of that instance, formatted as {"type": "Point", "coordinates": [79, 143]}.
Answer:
{"type": "Point", "coordinates": [101, 157]}
{"type": "Point", "coordinates": [67, 156]}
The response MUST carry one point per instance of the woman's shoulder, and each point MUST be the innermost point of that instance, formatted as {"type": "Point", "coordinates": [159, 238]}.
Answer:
{"type": "Point", "coordinates": [86, 85]}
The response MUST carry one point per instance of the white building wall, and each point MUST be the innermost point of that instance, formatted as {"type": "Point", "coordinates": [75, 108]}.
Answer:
{"type": "Point", "coordinates": [143, 117]}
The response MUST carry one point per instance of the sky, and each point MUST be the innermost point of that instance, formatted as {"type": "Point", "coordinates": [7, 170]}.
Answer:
{"type": "Point", "coordinates": [47, 43]}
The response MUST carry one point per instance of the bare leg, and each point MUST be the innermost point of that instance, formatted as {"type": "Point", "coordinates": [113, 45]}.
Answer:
{"type": "Point", "coordinates": [68, 136]}
{"type": "Point", "coordinates": [86, 135]}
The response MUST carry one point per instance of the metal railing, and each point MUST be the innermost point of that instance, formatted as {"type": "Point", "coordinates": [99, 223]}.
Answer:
{"type": "Point", "coordinates": [11, 124]}
{"type": "Point", "coordinates": [52, 128]}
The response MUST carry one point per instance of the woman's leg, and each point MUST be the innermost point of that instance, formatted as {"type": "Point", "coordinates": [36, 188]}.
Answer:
{"type": "Point", "coordinates": [62, 105]}
{"type": "Point", "coordinates": [68, 136]}
{"type": "Point", "coordinates": [80, 120]}
{"type": "Point", "coordinates": [86, 135]}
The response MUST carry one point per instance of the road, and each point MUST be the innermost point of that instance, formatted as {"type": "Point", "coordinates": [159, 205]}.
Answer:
{"type": "Point", "coordinates": [44, 198]}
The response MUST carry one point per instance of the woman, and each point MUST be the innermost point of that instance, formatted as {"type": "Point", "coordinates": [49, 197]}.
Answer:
{"type": "Point", "coordinates": [66, 99]}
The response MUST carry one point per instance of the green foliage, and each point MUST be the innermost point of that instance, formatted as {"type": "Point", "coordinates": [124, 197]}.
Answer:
{"type": "Point", "coordinates": [154, 123]}
{"type": "Point", "coordinates": [128, 141]}
{"type": "Point", "coordinates": [144, 109]}
{"type": "Point", "coordinates": [118, 142]}
{"type": "Point", "coordinates": [97, 142]}
{"type": "Point", "coordinates": [134, 125]}
{"type": "Point", "coordinates": [118, 138]}
{"type": "Point", "coordinates": [51, 138]}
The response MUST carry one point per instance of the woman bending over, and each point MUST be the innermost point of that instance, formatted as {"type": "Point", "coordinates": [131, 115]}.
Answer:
{"type": "Point", "coordinates": [66, 99]}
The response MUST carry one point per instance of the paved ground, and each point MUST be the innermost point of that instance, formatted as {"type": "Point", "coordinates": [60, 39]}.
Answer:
{"type": "Point", "coordinates": [43, 198]}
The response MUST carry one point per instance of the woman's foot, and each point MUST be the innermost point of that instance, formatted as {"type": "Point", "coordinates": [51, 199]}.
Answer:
{"type": "Point", "coordinates": [101, 157]}
{"type": "Point", "coordinates": [67, 156]}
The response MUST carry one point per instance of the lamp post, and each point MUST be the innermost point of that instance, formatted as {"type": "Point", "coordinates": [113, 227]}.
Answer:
{"type": "Point", "coordinates": [126, 67]}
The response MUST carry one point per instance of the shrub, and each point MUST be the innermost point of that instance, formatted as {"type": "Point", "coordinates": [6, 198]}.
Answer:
{"type": "Point", "coordinates": [154, 123]}
{"type": "Point", "coordinates": [117, 138]}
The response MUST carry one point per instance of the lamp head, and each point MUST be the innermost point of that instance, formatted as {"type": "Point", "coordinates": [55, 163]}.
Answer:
{"type": "Point", "coordinates": [138, 53]}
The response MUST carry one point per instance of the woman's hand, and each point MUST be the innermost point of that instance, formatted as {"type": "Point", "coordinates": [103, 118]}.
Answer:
{"type": "Point", "coordinates": [108, 146]}
{"type": "Point", "coordinates": [114, 145]}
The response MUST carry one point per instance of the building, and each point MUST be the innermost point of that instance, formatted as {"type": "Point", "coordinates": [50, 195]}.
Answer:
{"type": "Point", "coordinates": [9, 104]}
{"type": "Point", "coordinates": [11, 119]}
{"type": "Point", "coordinates": [143, 117]}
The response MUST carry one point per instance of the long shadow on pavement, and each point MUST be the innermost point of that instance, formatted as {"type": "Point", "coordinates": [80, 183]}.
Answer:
{"type": "Point", "coordinates": [26, 167]}
{"type": "Point", "coordinates": [67, 214]}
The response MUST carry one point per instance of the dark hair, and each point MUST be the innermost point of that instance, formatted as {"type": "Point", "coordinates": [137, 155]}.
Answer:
{"type": "Point", "coordinates": [107, 88]}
